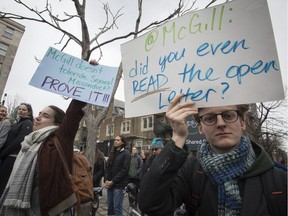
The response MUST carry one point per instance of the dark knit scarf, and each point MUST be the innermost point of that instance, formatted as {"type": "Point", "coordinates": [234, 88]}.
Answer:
{"type": "Point", "coordinates": [224, 170]}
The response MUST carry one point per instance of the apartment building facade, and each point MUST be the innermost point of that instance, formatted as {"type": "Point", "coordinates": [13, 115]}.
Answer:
{"type": "Point", "coordinates": [11, 33]}
{"type": "Point", "coordinates": [139, 131]}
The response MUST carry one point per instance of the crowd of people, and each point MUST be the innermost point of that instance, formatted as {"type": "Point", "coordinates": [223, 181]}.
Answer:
{"type": "Point", "coordinates": [233, 166]}
{"type": "Point", "coordinates": [26, 162]}
{"type": "Point", "coordinates": [230, 175]}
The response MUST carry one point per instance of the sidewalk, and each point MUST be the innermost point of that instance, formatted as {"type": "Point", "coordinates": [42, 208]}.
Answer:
{"type": "Point", "coordinates": [102, 210]}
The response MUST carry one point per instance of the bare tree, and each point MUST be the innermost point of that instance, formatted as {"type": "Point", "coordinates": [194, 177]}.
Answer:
{"type": "Point", "coordinates": [87, 44]}
{"type": "Point", "coordinates": [266, 125]}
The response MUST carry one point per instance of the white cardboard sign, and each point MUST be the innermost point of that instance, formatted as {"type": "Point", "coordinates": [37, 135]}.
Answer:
{"type": "Point", "coordinates": [222, 55]}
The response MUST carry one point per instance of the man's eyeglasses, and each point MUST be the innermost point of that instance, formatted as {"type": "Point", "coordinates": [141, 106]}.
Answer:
{"type": "Point", "coordinates": [229, 116]}
{"type": "Point", "coordinates": [154, 149]}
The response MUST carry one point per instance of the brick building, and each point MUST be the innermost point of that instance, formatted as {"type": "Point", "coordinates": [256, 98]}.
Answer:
{"type": "Point", "coordinates": [139, 131]}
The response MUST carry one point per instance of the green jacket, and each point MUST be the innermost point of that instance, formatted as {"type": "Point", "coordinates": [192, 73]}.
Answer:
{"type": "Point", "coordinates": [170, 182]}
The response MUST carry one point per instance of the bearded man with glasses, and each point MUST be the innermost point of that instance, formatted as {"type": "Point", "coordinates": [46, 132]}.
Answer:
{"type": "Point", "coordinates": [231, 175]}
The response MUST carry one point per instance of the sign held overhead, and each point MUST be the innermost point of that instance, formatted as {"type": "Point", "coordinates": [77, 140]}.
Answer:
{"type": "Point", "coordinates": [222, 55]}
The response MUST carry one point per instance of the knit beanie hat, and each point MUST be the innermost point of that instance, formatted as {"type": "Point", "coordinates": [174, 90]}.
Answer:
{"type": "Point", "coordinates": [157, 143]}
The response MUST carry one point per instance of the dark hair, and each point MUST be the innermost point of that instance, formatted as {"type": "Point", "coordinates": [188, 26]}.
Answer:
{"type": "Point", "coordinates": [242, 108]}
{"type": "Point", "coordinates": [99, 156]}
{"type": "Point", "coordinates": [30, 110]}
{"type": "Point", "coordinates": [113, 150]}
{"type": "Point", "coordinates": [59, 114]}
{"type": "Point", "coordinates": [123, 139]}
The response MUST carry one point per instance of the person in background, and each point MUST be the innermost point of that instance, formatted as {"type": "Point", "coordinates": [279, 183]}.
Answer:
{"type": "Point", "coordinates": [156, 147]}
{"type": "Point", "coordinates": [117, 175]}
{"type": "Point", "coordinates": [134, 170]}
{"type": "Point", "coordinates": [135, 167]}
{"type": "Point", "coordinates": [12, 146]}
{"type": "Point", "coordinates": [145, 154]}
{"type": "Point", "coordinates": [5, 126]}
{"type": "Point", "coordinates": [233, 167]}
{"type": "Point", "coordinates": [98, 169]}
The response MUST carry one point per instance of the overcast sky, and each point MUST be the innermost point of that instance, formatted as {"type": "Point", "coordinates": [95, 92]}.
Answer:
{"type": "Point", "coordinates": [38, 37]}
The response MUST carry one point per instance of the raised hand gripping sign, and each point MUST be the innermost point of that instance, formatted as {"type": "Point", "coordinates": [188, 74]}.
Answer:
{"type": "Point", "coordinates": [69, 76]}
{"type": "Point", "coordinates": [222, 55]}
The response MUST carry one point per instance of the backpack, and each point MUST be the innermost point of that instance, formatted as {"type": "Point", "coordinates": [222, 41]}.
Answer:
{"type": "Point", "coordinates": [81, 178]}
{"type": "Point", "coordinates": [273, 184]}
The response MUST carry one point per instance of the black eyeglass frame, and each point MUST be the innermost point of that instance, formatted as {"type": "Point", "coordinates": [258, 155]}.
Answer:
{"type": "Point", "coordinates": [215, 115]}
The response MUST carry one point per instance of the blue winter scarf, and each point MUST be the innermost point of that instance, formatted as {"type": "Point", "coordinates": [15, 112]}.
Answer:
{"type": "Point", "coordinates": [224, 170]}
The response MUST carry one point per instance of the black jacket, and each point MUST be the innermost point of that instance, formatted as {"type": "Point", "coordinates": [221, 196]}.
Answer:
{"type": "Point", "coordinates": [16, 136]}
{"type": "Point", "coordinates": [98, 173]}
{"type": "Point", "coordinates": [169, 183]}
{"type": "Point", "coordinates": [118, 172]}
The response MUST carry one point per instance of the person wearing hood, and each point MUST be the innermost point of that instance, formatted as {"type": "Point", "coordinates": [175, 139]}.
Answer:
{"type": "Point", "coordinates": [156, 147]}
{"type": "Point", "coordinates": [231, 165]}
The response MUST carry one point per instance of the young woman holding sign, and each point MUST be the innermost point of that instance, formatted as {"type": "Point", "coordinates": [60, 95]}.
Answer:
{"type": "Point", "coordinates": [39, 184]}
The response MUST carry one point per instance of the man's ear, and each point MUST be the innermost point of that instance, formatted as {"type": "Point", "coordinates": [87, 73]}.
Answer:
{"type": "Point", "coordinates": [243, 125]}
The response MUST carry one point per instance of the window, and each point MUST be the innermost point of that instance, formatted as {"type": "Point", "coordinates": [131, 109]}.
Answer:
{"type": "Point", "coordinates": [125, 127]}
{"type": "Point", "coordinates": [3, 50]}
{"type": "Point", "coordinates": [8, 33]}
{"type": "Point", "coordinates": [110, 130]}
{"type": "Point", "coordinates": [147, 123]}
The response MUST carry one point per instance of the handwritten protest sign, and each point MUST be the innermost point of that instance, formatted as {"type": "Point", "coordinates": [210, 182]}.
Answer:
{"type": "Point", "coordinates": [73, 77]}
{"type": "Point", "coordinates": [222, 55]}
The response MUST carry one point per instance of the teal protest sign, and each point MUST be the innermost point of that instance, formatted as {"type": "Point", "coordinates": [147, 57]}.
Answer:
{"type": "Point", "coordinates": [222, 55]}
{"type": "Point", "coordinates": [69, 76]}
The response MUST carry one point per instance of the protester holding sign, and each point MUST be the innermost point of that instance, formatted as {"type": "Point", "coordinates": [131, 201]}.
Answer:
{"type": "Point", "coordinates": [38, 184]}
{"type": "Point", "coordinates": [231, 174]}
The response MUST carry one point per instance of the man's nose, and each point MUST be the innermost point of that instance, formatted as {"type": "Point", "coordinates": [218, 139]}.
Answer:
{"type": "Point", "coordinates": [220, 121]}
